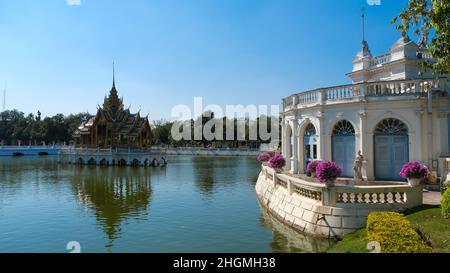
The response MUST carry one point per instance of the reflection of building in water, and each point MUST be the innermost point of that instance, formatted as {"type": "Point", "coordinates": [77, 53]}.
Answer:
{"type": "Point", "coordinates": [285, 239]}
{"type": "Point", "coordinates": [114, 194]}
{"type": "Point", "coordinates": [218, 172]}
{"type": "Point", "coordinates": [204, 174]}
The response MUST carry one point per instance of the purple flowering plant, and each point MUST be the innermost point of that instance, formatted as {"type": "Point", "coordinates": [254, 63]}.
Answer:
{"type": "Point", "coordinates": [277, 162]}
{"type": "Point", "coordinates": [414, 169]}
{"type": "Point", "coordinates": [327, 171]}
{"type": "Point", "coordinates": [265, 156]}
{"type": "Point", "coordinates": [312, 166]}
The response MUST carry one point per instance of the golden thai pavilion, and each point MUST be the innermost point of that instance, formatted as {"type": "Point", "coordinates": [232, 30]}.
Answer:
{"type": "Point", "coordinates": [114, 127]}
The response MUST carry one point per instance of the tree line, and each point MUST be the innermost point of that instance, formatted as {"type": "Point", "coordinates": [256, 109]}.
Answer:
{"type": "Point", "coordinates": [32, 129]}
{"type": "Point", "coordinates": [245, 132]}
{"type": "Point", "coordinates": [17, 128]}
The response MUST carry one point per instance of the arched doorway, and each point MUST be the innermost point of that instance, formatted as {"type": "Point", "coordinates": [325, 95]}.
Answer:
{"type": "Point", "coordinates": [391, 148]}
{"type": "Point", "coordinates": [343, 143]}
{"type": "Point", "coordinates": [309, 144]}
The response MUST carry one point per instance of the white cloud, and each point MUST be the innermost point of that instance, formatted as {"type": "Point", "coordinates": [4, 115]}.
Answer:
{"type": "Point", "coordinates": [73, 2]}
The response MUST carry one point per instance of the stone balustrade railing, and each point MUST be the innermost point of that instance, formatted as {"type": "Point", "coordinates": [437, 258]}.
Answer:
{"type": "Point", "coordinates": [382, 59]}
{"type": "Point", "coordinates": [364, 196]}
{"type": "Point", "coordinates": [365, 91]}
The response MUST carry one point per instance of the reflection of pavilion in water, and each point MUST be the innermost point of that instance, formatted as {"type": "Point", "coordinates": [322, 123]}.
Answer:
{"type": "Point", "coordinates": [115, 194]}
{"type": "Point", "coordinates": [286, 239]}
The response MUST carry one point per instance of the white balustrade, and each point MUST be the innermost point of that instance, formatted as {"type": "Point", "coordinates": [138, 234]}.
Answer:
{"type": "Point", "coordinates": [345, 93]}
{"type": "Point", "coordinates": [342, 195]}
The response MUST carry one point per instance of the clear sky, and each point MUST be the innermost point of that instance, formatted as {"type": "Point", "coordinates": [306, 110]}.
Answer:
{"type": "Point", "coordinates": [57, 58]}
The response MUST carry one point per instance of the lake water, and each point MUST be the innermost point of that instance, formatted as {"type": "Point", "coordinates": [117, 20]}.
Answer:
{"type": "Point", "coordinates": [195, 204]}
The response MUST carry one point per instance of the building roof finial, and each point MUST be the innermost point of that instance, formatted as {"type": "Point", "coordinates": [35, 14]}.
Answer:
{"type": "Point", "coordinates": [114, 76]}
{"type": "Point", "coordinates": [365, 45]}
{"type": "Point", "coordinates": [363, 27]}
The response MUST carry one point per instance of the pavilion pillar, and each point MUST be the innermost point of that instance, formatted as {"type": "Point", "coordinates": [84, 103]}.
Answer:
{"type": "Point", "coordinates": [106, 136]}
{"type": "Point", "coordinates": [321, 153]}
{"type": "Point", "coordinates": [283, 138]}
{"type": "Point", "coordinates": [294, 166]}
{"type": "Point", "coordinates": [363, 146]}
{"type": "Point", "coordinates": [418, 137]}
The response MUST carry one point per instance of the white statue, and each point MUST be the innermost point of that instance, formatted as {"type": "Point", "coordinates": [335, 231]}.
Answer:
{"type": "Point", "coordinates": [358, 166]}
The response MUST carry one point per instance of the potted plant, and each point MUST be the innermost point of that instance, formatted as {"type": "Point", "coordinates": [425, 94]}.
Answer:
{"type": "Point", "coordinates": [277, 162]}
{"type": "Point", "coordinates": [327, 172]}
{"type": "Point", "coordinates": [414, 172]}
{"type": "Point", "coordinates": [264, 157]}
{"type": "Point", "coordinates": [312, 167]}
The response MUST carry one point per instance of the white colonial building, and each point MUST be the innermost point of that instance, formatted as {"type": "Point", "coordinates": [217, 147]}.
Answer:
{"type": "Point", "coordinates": [394, 111]}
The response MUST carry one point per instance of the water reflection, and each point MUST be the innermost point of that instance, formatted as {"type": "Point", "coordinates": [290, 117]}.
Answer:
{"type": "Point", "coordinates": [114, 194]}
{"type": "Point", "coordinates": [223, 172]}
{"type": "Point", "coordinates": [196, 204]}
{"type": "Point", "coordinates": [286, 239]}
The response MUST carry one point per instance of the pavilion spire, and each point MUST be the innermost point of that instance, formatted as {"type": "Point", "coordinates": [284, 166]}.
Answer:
{"type": "Point", "coordinates": [114, 77]}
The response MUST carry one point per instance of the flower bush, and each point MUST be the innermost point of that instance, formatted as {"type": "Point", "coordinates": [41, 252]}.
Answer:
{"type": "Point", "coordinates": [414, 169]}
{"type": "Point", "coordinates": [327, 171]}
{"type": "Point", "coordinates": [277, 162]}
{"type": "Point", "coordinates": [445, 204]}
{"type": "Point", "coordinates": [312, 166]}
{"type": "Point", "coordinates": [395, 233]}
{"type": "Point", "coordinates": [265, 156]}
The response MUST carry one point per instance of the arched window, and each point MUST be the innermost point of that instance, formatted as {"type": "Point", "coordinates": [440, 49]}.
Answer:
{"type": "Point", "coordinates": [391, 127]}
{"type": "Point", "coordinates": [310, 130]}
{"type": "Point", "coordinates": [343, 128]}
{"type": "Point", "coordinates": [309, 144]}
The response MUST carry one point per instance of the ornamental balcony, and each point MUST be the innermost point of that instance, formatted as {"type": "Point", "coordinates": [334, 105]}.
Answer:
{"type": "Point", "coordinates": [369, 91]}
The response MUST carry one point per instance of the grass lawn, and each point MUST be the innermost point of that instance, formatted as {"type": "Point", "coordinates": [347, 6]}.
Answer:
{"type": "Point", "coordinates": [429, 222]}
{"type": "Point", "coordinates": [351, 243]}
{"type": "Point", "coordinates": [426, 219]}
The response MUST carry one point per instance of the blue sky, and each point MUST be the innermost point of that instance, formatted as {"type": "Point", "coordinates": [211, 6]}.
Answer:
{"type": "Point", "coordinates": [57, 58]}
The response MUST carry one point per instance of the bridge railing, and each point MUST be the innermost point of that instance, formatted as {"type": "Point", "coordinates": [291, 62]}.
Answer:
{"type": "Point", "coordinates": [31, 147]}
{"type": "Point", "coordinates": [80, 150]}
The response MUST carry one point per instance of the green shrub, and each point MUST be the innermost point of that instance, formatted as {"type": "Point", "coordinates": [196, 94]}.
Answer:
{"type": "Point", "coordinates": [394, 233]}
{"type": "Point", "coordinates": [445, 204]}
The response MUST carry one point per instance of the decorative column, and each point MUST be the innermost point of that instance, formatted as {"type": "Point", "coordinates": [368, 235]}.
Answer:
{"type": "Point", "coordinates": [363, 146]}
{"type": "Point", "coordinates": [294, 156]}
{"type": "Point", "coordinates": [322, 137]}
{"type": "Point", "coordinates": [418, 135]}
{"type": "Point", "coordinates": [430, 141]}
{"type": "Point", "coordinates": [442, 142]}
{"type": "Point", "coordinates": [283, 137]}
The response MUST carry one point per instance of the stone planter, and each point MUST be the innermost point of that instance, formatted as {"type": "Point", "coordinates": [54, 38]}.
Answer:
{"type": "Point", "coordinates": [414, 182]}
{"type": "Point", "coordinates": [330, 183]}
{"type": "Point", "coordinates": [278, 170]}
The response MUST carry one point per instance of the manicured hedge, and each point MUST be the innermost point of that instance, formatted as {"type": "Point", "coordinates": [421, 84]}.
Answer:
{"type": "Point", "coordinates": [445, 204]}
{"type": "Point", "coordinates": [394, 233]}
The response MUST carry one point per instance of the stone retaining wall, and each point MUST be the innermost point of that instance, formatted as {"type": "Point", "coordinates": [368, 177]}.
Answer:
{"type": "Point", "coordinates": [312, 217]}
